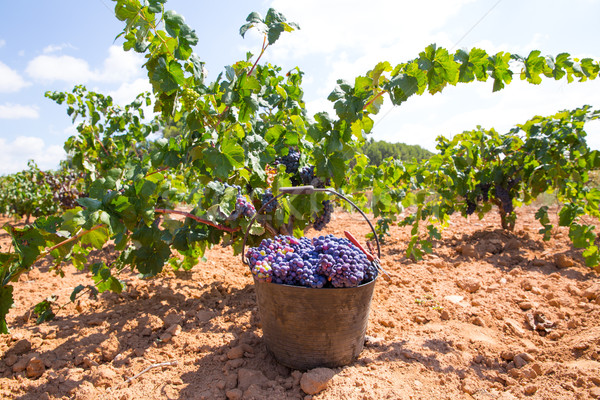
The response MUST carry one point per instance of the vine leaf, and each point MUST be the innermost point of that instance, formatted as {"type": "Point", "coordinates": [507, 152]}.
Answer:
{"type": "Point", "coordinates": [6, 302]}
{"type": "Point", "coordinates": [273, 25]}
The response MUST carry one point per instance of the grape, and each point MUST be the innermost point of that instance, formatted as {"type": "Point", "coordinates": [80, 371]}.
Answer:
{"type": "Point", "coordinates": [471, 207]}
{"type": "Point", "coordinates": [291, 161]}
{"type": "Point", "coordinates": [504, 196]}
{"type": "Point", "coordinates": [323, 219]}
{"type": "Point", "coordinates": [307, 176]}
{"type": "Point", "coordinates": [266, 197]}
{"type": "Point", "coordinates": [189, 98]}
{"type": "Point", "coordinates": [325, 261]}
{"type": "Point", "coordinates": [484, 188]}
{"type": "Point", "coordinates": [243, 207]}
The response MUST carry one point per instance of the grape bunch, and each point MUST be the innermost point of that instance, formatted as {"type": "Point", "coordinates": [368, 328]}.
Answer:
{"type": "Point", "coordinates": [307, 176]}
{"type": "Point", "coordinates": [243, 207]}
{"type": "Point", "coordinates": [188, 98]}
{"type": "Point", "coordinates": [291, 161]}
{"type": "Point", "coordinates": [325, 261]}
{"type": "Point", "coordinates": [471, 207]}
{"type": "Point", "coordinates": [321, 220]}
{"type": "Point", "coordinates": [485, 190]}
{"type": "Point", "coordinates": [266, 197]}
{"type": "Point", "coordinates": [505, 198]}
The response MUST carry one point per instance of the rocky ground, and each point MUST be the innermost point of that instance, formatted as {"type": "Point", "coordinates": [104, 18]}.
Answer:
{"type": "Point", "coordinates": [489, 315]}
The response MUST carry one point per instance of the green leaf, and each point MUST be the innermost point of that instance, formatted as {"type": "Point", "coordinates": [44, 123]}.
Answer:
{"type": "Point", "coordinates": [401, 87]}
{"type": "Point", "coordinates": [230, 156]}
{"type": "Point", "coordinates": [44, 310]}
{"type": "Point", "coordinates": [89, 203]}
{"type": "Point", "coordinates": [500, 71]}
{"type": "Point", "coordinates": [96, 238]}
{"type": "Point", "coordinates": [75, 292]}
{"type": "Point", "coordinates": [6, 302]}
{"type": "Point", "coordinates": [155, 6]}
{"type": "Point", "coordinates": [161, 77]}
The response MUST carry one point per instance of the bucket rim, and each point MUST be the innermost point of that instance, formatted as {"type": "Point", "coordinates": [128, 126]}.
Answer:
{"type": "Point", "coordinates": [256, 281]}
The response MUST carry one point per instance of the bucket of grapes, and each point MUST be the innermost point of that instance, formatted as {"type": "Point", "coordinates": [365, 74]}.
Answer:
{"type": "Point", "coordinates": [313, 295]}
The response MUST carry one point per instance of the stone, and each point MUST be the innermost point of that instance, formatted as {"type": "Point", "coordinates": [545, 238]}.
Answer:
{"type": "Point", "coordinates": [234, 394]}
{"type": "Point", "coordinates": [562, 261]}
{"type": "Point", "coordinates": [10, 359]}
{"type": "Point", "coordinates": [525, 305]}
{"type": "Point", "coordinates": [469, 250]}
{"type": "Point", "coordinates": [455, 299]}
{"type": "Point", "coordinates": [530, 390]}
{"type": "Point", "coordinates": [238, 351]}
{"type": "Point", "coordinates": [592, 293]}
{"type": "Point", "coordinates": [468, 386]}
{"type": "Point", "coordinates": [512, 244]}
{"type": "Point", "coordinates": [255, 392]}
{"type": "Point", "coordinates": [174, 330]}
{"type": "Point", "coordinates": [20, 347]}
{"type": "Point", "coordinates": [522, 359]}
{"type": "Point", "coordinates": [316, 380]}
{"type": "Point", "coordinates": [514, 327]}
{"type": "Point", "coordinates": [110, 348]}
{"type": "Point", "coordinates": [445, 315]}
{"type": "Point", "coordinates": [595, 393]}
{"type": "Point", "coordinates": [234, 364]}
{"type": "Point", "coordinates": [204, 316]}
{"type": "Point", "coordinates": [172, 318]}
{"type": "Point", "coordinates": [526, 284]}
{"type": "Point", "coordinates": [247, 377]}
{"type": "Point", "coordinates": [35, 368]}
{"type": "Point", "coordinates": [103, 377]}
{"type": "Point", "coordinates": [470, 285]}
{"type": "Point", "coordinates": [20, 365]}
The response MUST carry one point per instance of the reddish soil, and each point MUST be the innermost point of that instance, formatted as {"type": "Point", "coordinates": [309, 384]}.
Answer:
{"type": "Point", "coordinates": [490, 315]}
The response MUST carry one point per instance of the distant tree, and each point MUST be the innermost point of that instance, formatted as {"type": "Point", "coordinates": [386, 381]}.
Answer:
{"type": "Point", "coordinates": [378, 150]}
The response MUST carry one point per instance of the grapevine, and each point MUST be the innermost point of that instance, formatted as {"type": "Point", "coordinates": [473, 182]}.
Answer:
{"type": "Point", "coordinates": [253, 117]}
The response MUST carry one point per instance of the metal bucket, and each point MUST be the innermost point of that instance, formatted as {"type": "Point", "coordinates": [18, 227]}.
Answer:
{"type": "Point", "coordinates": [305, 328]}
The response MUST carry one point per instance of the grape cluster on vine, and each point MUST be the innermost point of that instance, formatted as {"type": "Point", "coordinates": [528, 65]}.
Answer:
{"type": "Point", "coordinates": [291, 161]}
{"type": "Point", "coordinates": [307, 177]}
{"type": "Point", "coordinates": [189, 97]}
{"type": "Point", "coordinates": [243, 206]}
{"type": "Point", "coordinates": [266, 198]}
{"type": "Point", "coordinates": [321, 220]}
{"type": "Point", "coordinates": [324, 261]}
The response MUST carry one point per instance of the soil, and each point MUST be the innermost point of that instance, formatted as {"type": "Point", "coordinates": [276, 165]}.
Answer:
{"type": "Point", "coordinates": [489, 315]}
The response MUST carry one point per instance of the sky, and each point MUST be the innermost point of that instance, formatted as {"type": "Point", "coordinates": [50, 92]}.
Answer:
{"type": "Point", "coordinates": [55, 45]}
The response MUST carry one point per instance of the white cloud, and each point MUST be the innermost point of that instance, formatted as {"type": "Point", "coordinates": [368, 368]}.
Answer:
{"type": "Point", "coordinates": [358, 27]}
{"type": "Point", "coordinates": [53, 48]}
{"type": "Point", "coordinates": [48, 68]}
{"type": "Point", "coordinates": [14, 155]}
{"type": "Point", "coordinates": [18, 111]}
{"type": "Point", "coordinates": [127, 92]}
{"type": "Point", "coordinates": [10, 80]}
{"type": "Point", "coordinates": [119, 66]}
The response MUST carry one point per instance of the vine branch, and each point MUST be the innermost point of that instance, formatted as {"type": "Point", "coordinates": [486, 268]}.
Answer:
{"type": "Point", "coordinates": [196, 218]}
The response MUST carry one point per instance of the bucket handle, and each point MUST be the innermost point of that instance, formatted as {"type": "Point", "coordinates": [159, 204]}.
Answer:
{"type": "Point", "coordinates": [308, 189]}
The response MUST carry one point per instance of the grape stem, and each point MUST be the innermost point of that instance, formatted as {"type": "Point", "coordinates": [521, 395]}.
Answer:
{"type": "Point", "coordinates": [69, 240]}
{"type": "Point", "coordinates": [195, 218]}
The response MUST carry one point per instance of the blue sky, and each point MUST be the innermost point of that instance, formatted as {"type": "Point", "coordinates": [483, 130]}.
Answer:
{"type": "Point", "coordinates": [55, 45]}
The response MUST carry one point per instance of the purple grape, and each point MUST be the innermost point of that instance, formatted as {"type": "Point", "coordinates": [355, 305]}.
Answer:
{"type": "Point", "coordinates": [325, 261]}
